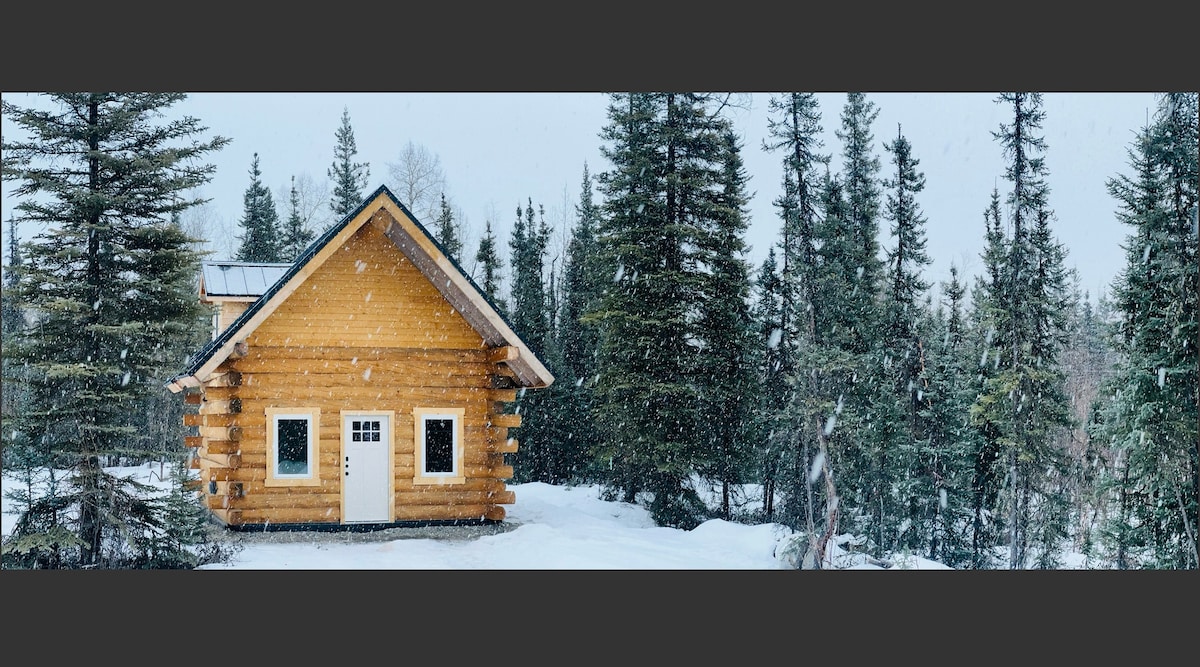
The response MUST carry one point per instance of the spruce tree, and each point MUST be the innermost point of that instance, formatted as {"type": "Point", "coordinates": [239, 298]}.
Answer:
{"type": "Point", "coordinates": [861, 184]}
{"type": "Point", "coordinates": [773, 388]}
{"type": "Point", "coordinates": [446, 231]}
{"type": "Point", "coordinates": [724, 329]}
{"type": "Point", "coordinates": [802, 418]}
{"type": "Point", "coordinates": [110, 284]}
{"type": "Point", "coordinates": [986, 455]}
{"type": "Point", "coordinates": [260, 238]}
{"type": "Point", "coordinates": [488, 262]}
{"type": "Point", "coordinates": [582, 287]}
{"type": "Point", "coordinates": [1026, 399]}
{"type": "Point", "coordinates": [1149, 415]}
{"type": "Point", "coordinates": [530, 318]}
{"type": "Point", "coordinates": [296, 234]}
{"type": "Point", "coordinates": [665, 150]}
{"type": "Point", "coordinates": [906, 353]}
{"type": "Point", "coordinates": [349, 177]}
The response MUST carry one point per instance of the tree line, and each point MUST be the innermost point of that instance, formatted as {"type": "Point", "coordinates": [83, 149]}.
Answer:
{"type": "Point", "coordinates": [824, 389]}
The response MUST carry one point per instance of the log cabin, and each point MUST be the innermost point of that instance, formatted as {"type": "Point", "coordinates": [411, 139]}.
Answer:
{"type": "Point", "coordinates": [362, 386]}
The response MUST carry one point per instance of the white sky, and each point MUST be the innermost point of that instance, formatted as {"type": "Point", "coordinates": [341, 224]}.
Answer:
{"type": "Point", "coordinates": [498, 150]}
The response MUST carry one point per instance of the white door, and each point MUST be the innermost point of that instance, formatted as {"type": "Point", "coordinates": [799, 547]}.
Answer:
{"type": "Point", "coordinates": [366, 477]}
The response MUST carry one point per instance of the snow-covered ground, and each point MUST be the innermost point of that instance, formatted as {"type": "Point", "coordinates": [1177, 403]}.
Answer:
{"type": "Point", "coordinates": [547, 528]}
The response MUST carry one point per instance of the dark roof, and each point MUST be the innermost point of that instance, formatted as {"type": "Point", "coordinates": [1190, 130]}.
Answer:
{"type": "Point", "coordinates": [205, 354]}
{"type": "Point", "coordinates": [240, 278]}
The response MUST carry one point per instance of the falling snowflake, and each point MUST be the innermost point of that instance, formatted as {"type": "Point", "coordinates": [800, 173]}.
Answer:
{"type": "Point", "coordinates": [814, 471]}
{"type": "Point", "coordinates": [774, 338]}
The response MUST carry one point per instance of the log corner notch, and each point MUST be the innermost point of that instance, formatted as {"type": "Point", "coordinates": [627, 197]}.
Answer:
{"type": "Point", "coordinates": [240, 349]}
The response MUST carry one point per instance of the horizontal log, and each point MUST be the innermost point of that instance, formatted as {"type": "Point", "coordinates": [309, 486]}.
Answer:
{"type": "Point", "coordinates": [222, 447]}
{"type": "Point", "coordinates": [443, 512]}
{"type": "Point", "coordinates": [232, 461]}
{"type": "Point", "coordinates": [221, 419]}
{"type": "Point", "coordinates": [193, 398]}
{"type": "Point", "coordinates": [233, 433]}
{"type": "Point", "coordinates": [193, 419]}
{"type": "Point", "coordinates": [193, 463]}
{"type": "Point", "coordinates": [228, 517]}
{"type": "Point", "coordinates": [265, 501]}
{"type": "Point", "coordinates": [193, 440]}
{"type": "Point", "coordinates": [217, 407]}
{"type": "Point", "coordinates": [371, 353]}
{"type": "Point", "coordinates": [291, 515]}
{"type": "Point", "coordinates": [496, 513]}
{"type": "Point", "coordinates": [436, 496]}
{"type": "Point", "coordinates": [502, 396]}
{"type": "Point", "coordinates": [365, 375]}
{"type": "Point", "coordinates": [328, 487]}
{"type": "Point", "coordinates": [193, 484]}
{"type": "Point", "coordinates": [507, 446]}
{"type": "Point", "coordinates": [506, 420]}
{"type": "Point", "coordinates": [503, 353]}
{"type": "Point", "coordinates": [227, 379]}
{"type": "Point", "coordinates": [355, 396]}
{"type": "Point", "coordinates": [354, 365]}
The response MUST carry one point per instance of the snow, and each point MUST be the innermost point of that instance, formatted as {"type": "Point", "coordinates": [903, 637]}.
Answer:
{"type": "Point", "coordinates": [549, 527]}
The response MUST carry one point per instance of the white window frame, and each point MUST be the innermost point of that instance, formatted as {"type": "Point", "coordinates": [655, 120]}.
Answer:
{"type": "Point", "coordinates": [456, 474]}
{"type": "Point", "coordinates": [311, 478]}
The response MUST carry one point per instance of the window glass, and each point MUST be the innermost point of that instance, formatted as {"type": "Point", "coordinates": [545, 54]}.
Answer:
{"type": "Point", "coordinates": [439, 445]}
{"type": "Point", "coordinates": [292, 444]}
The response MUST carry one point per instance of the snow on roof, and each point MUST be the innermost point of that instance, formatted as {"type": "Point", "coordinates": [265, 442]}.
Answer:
{"type": "Point", "coordinates": [240, 278]}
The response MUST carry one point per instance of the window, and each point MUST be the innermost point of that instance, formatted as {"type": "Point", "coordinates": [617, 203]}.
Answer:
{"type": "Point", "coordinates": [292, 447]}
{"type": "Point", "coordinates": [439, 445]}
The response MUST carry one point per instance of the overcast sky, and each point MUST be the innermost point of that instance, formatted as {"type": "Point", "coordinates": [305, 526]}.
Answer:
{"type": "Point", "coordinates": [499, 150]}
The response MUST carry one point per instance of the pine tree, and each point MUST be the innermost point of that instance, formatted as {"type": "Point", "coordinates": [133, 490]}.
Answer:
{"type": "Point", "coordinates": [110, 284]}
{"type": "Point", "coordinates": [446, 231]}
{"type": "Point", "coordinates": [349, 177]}
{"type": "Point", "coordinates": [296, 234]}
{"type": "Point", "coordinates": [487, 260]}
{"type": "Point", "coordinates": [260, 238]}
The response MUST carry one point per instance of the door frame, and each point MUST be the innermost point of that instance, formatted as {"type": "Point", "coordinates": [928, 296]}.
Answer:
{"type": "Point", "coordinates": [343, 430]}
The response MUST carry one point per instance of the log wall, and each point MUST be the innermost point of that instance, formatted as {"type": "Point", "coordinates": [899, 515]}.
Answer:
{"type": "Point", "coordinates": [365, 331]}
